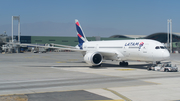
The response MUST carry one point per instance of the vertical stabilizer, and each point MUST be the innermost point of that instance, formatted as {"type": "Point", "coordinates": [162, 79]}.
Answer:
{"type": "Point", "coordinates": [80, 34]}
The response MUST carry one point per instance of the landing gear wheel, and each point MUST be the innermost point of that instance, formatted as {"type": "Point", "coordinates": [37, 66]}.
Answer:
{"type": "Point", "coordinates": [120, 63]}
{"type": "Point", "coordinates": [166, 70]}
{"type": "Point", "coordinates": [126, 63]}
{"type": "Point", "coordinates": [123, 63]}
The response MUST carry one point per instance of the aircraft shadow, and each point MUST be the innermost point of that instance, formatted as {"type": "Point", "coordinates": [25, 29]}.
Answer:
{"type": "Point", "coordinates": [103, 66]}
{"type": "Point", "coordinates": [136, 66]}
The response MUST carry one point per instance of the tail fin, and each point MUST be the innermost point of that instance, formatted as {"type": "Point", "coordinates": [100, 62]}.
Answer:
{"type": "Point", "coordinates": [80, 34]}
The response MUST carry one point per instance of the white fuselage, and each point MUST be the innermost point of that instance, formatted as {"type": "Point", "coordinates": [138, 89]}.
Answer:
{"type": "Point", "coordinates": [130, 49]}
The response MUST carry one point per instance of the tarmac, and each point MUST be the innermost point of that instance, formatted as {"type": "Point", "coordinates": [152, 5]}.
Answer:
{"type": "Point", "coordinates": [64, 76]}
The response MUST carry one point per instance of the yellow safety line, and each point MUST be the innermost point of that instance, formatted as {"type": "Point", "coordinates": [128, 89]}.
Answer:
{"type": "Point", "coordinates": [72, 59]}
{"type": "Point", "coordinates": [116, 93]}
{"type": "Point", "coordinates": [15, 97]}
{"type": "Point", "coordinates": [125, 69]}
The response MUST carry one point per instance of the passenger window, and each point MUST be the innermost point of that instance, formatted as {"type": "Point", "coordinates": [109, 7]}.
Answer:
{"type": "Point", "coordinates": [157, 47]}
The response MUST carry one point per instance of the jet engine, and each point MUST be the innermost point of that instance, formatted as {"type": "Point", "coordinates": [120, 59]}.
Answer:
{"type": "Point", "coordinates": [93, 58]}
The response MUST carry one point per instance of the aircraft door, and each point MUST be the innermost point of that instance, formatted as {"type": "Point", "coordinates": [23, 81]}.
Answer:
{"type": "Point", "coordinates": [143, 52]}
{"type": "Point", "coordinates": [144, 49]}
{"type": "Point", "coordinates": [126, 52]}
{"type": "Point", "coordinates": [147, 53]}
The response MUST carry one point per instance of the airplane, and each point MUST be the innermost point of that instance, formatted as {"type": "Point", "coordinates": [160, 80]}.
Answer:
{"type": "Point", "coordinates": [94, 52]}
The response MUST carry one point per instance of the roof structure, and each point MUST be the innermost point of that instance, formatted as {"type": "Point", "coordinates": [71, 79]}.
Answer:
{"type": "Point", "coordinates": [161, 37]}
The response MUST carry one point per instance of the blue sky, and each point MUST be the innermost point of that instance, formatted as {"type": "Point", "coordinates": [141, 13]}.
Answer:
{"type": "Point", "coordinates": [97, 17]}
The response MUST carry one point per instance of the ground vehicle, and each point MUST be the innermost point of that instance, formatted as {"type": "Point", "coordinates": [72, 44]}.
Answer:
{"type": "Point", "coordinates": [168, 67]}
{"type": "Point", "coordinates": [39, 50]}
{"type": "Point", "coordinates": [155, 67]}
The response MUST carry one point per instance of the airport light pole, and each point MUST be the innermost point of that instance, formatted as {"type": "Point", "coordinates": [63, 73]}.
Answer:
{"type": "Point", "coordinates": [171, 35]}
{"type": "Point", "coordinates": [168, 34]}
{"type": "Point", "coordinates": [12, 29]}
{"type": "Point", "coordinates": [16, 18]}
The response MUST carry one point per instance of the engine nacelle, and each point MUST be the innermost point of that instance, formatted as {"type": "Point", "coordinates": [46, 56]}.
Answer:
{"type": "Point", "coordinates": [93, 58]}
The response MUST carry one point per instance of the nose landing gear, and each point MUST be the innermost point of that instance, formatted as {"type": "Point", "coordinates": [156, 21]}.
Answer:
{"type": "Point", "coordinates": [123, 63]}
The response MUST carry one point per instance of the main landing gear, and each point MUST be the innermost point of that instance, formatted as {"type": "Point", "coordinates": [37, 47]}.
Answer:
{"type": "Point", "coordinates": [123, 63]}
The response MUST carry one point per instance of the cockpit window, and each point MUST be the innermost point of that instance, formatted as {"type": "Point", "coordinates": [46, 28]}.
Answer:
{"type": "Point", "coordinates": [162, 47]}
{"type": "Point", "coordinates": [157, 47]}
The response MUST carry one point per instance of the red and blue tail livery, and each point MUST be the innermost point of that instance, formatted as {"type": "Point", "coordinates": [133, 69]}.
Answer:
{"type": "Point", "coordinates": [80, 34]}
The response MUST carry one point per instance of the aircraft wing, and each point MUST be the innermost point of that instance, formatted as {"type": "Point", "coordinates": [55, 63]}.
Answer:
{"type": "Point", "coordinates": [107, 53]}
{"type": "Point", "coordinates": [62, 45]}
{"type": "Point", "coordinates": [61, 48]}
{"type": "Point", "coordinates": [111, 54]}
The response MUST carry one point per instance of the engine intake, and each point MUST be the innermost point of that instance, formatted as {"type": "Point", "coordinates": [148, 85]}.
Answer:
{"type": "Point", "coordinates": [93, 58]}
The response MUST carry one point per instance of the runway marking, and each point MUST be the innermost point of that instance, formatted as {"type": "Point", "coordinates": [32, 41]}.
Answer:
{"type": "Point", "coordinates": [34, 92]}
{"type": "Point", "coordinates": [125, 69]}
{"type": "Point", "coordinates": [120, 95]}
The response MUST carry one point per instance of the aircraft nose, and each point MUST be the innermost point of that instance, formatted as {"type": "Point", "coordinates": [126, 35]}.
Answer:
{"type": "Point", "coordinates": [166, 55]}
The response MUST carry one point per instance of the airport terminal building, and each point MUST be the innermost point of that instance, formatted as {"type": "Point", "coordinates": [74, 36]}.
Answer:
{"type": "Point", "coordinates": [161, 37]}
{"type": "Point", "coordinates": [73, 41]}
